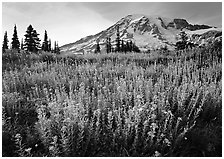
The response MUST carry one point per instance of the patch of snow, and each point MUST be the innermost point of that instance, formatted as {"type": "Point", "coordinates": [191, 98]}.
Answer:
{"type": "Point", "coordinates": [202, 31]}
{"type": "Point", "coordinates": [135, 20]}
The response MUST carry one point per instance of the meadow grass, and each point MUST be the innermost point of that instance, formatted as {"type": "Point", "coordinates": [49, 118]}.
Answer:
{"type": "Point", "coordinates": [113, 105]}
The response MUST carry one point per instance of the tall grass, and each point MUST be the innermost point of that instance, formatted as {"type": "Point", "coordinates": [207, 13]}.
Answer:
{"type": "Point", "coordinates": [115, 105]}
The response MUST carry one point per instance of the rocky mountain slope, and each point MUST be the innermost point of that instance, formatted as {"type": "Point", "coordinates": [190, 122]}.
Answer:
{"type": "Point", "coordinates": [147, 32]}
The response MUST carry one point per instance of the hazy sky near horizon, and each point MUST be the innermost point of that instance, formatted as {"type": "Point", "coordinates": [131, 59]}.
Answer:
{"type": "Point", "coordinates": [67, 22]}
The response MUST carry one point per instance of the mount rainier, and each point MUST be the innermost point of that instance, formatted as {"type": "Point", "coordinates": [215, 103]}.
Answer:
{"type": "Point", "coordinates": [147, 32]}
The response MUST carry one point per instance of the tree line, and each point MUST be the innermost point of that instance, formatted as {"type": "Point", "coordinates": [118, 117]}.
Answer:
{"type": "Point", "coordinates": [31, 43]}
{"type": "Point", "coordinates": [129, 46]}
{"type": "Point", "coordinates": [120, 45]}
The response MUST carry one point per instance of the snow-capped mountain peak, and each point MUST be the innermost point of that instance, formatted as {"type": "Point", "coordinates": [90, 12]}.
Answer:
{"type": "Point", "coordinates": [147, 32]}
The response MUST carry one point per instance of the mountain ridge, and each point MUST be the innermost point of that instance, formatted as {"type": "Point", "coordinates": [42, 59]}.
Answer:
{"type": "Point", "coordinates": [147, 32]}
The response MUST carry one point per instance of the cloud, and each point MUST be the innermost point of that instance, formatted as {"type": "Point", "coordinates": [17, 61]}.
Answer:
{"type": "Point", "coordinates": [117, 10]}
{"type": "Point", "coordinates": [65, 22]}
{"type": "Point", "coordinates": [193, 11]}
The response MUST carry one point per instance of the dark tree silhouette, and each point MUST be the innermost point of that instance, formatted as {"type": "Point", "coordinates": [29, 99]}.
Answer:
{"type": "Point", "coordinates": [108, 45]}
{"type": "Point", "coordinates": [57, 49]}
{"type": "Point", "coordinates": [37, 40]}
{"type": "Point", "coordinates": [32, 42]}
{"type": "Point", "coordinates": [49, 45]}
{"type": "Point", "coordinates": [15, 41]}
{"type": "Point", "coordinates": [118, 40]}
{"type": "Point", "coordinates": [130, 46]}
{"type": "Point", "coordinates": [122, 45]}
{"type": "Point", "coordinates": [5, 43]}
{"type": "Point", "coordinates": [97, 50]}
{"type": "Point", "coordinates": [45, 43]}
{"type": "Point", "coordinates": [55, 46]}
{"type": "Point", "coordinates": [42, 46]}
{"type": "Point", "coordinates": [127, 46]}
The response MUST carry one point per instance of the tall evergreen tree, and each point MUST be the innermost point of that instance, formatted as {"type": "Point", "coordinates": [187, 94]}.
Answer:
{"type": "Point", "coordinates": [122, 45]}
{"type": "Point", "coordinates": [57, 48]}
{"type": "Point", "coordinates": [45, 43]}
{"type": "Point", "coordinates": [29, 42]}
{"type": "Point", "coordinates": [42, 46]}
{"type": "Point", "coordinates": [97, 50]}
{"type": "Point", "coordinates": [5, 43]}
{"type": "Point", "coordinates": [49, 45]}
{"type": "Point", "coordinates": [15, 41]}
{"type": "Point", "coordinates": [130, 46]}
{"type": "Point", "coordinates": [37, 40]}
{"type": "Point", "coordinates": [118, 40]}
{"type": "Point", "coordinates": [108, 45]}
{"type": "Point", "coordinates": [127, 46]}
{"type": "Point", "coordinates": [32, 42]}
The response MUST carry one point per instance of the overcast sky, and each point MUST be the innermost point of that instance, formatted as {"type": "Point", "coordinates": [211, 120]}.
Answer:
{"type": "Point", "coordinates": [67, 22]}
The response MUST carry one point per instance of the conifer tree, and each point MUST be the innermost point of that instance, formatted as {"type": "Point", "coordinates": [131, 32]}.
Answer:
{"type": "Point", "coordinates": [37, 40]}
{"type": "Point", "coordinates": [108, 45]}
{"type": "Point", "coordinates": [57, 49]}
{"type": "Point", "coordinates": [97, 50]}
{"type": "Point", "coordinates": [130, 46]}
{"type": "Point", "coordinates": [32, 42]}
{"type": "Point", "coordinates": [49, 45]}
{"type": "Point", "coordinates": [122, 45]}
{"type": "Point", "coordinates": [5, 43]}
{"type": "Point", "coordinates": [118, 40]}
{"type": "Point", "coordinates": [15, 41]}
{"type": "Point", "coordinates": [45, 43]}
{"type": "Point", "coordinates": [127, 46]}
{"type": "Point", "coordinates": [42, 46]}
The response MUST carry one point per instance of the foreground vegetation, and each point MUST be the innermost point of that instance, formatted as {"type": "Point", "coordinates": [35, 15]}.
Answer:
{"type": "Point", "coordinates": [113, 104]}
